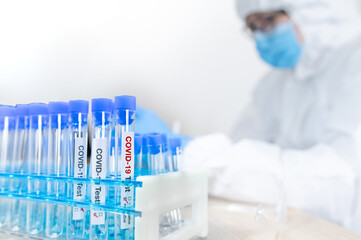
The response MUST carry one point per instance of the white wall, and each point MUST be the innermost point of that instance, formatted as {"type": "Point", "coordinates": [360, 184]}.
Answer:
{"type": "Point", "coordinates": [186, 59]}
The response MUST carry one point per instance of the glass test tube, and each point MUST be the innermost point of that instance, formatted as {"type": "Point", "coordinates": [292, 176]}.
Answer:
{"type": "Point", "coordinates": [113, 175]}
{"type": "Point", "coordinates": [169, 218]}
{"type": "Point", "coordinates": [58, 141]}
{"type": "Point", "coordinates": [78, 147]}
{"type": "Point", "coordinates": [18, 207]}
{"type": "Point", "coordinates": [145, 155]}
{"type": "Point", "coordinates": [156, 160]}
{"type": "Point", "coordinates": [111, 188]}
{"type": "Point", "coordinates": [167, 164]}
{"type": "Point", "coordinates": [36, 165]}
{"type": "Point", "coordinates": [176, 152]}
{"type": "Point", "coordinates": [125, 107]}
{"type": "Point", "coordinates": [175, 145]}
{"type": "Point", "coordinates": [138, 159]}
{"type": "Point", "coordinates": [101, 135]}
{"type": "Point", "coordinates": [7, 125]}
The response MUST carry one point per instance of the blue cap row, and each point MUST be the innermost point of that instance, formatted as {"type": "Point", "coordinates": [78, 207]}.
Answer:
{"type": "Point", "coordinates": [154, 142]}
{"type": "Point", "coordinates": [74, 106]}
{"type": "Point", "coordinates": [124, 102]}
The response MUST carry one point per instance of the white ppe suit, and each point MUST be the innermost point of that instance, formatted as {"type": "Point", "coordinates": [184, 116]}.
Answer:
{"type": "Point", "coordinates": [301, 123]}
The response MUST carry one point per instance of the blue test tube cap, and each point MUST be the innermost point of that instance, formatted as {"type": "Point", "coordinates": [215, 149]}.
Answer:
{"type": "Point", "coordinates": [7, 111]}
{"type": "Point", "coordinates": [58, 108]}
{"type": "Point", "coordinates": [155, 142]}
{"type": "Point", "coordinates": [22, 110]}
{"type": "Point", "coordinates": [102, 105]}
{"type": "Point", "coordinates": [38, 109]}
{"type": "Point", "coordinates": [79, 106]}
{"type": "Point", "coordinates": [154, 139]}
{"type": "Point", "coordinates": [125, 102]}
{"type": "Point", "coordinates": [121, 105]}
{"type": "Point", "coordinates": [175, 143]}
{"type": "Point", "coordinates": [138, 141]}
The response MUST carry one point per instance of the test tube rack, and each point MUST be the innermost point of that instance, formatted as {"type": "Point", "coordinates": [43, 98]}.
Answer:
{"type": "Point", "coordinates": [154, 196]}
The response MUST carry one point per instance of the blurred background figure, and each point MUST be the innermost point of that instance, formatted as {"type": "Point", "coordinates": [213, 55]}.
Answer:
{"type": "Point", "coordinates": [302, 121]}
{"type": "Point", "coordinates": [311, 96]}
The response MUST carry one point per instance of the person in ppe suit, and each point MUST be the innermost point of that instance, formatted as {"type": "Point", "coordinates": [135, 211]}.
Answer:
{"type": "Point", "coordinates": [304, 115]}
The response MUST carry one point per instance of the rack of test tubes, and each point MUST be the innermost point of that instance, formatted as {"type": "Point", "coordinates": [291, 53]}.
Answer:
{"type": "Point", "coordinates": [131, 189]}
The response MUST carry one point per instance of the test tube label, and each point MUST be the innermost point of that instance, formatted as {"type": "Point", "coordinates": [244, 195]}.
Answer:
{"type": "Point", "coordinates": [99, 158]}
{"type": "Point", "coordinates": [99, 169]}
{"type": "Point", "coordinates": [97, 217]}
{"type": "Point", "coordinates": [80, 168]}
{"type": "Point", "coordinates": [127, 168]}
{"type": "Point", "coordinates": [126, 221]}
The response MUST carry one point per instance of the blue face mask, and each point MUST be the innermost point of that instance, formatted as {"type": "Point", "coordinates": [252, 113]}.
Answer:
{"type": "Point", "coordinates": [280, 46]}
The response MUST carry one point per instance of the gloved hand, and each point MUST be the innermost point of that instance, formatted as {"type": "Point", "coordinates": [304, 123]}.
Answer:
{"type": "Point", "coordinates": [148, 121]}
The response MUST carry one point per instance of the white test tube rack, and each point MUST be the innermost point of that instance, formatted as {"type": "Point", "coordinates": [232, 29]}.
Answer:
{"type": "Point", "coordinates": [166, 192]}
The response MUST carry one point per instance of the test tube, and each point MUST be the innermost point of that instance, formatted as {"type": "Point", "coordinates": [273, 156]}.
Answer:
{"type": "Point", "coordinates": [18, 208]}
{"type": "Point", "coordinates": [145, 155]}
{"type": "Point", "coordinates": [78, 147]}
{"type": "Point", "coordinates": [167, 164]}
{"type": "Point", "coordinates": [37, 164]}
{"type": "Point", "coordinates": [7, 124]}
{"type": "Point", "coordinates": [176, 152]}
{"type": "Point", "coordinates": [111, 188]}
{"type": "Point", "coordinates": [156, 159]}
{"type": "Point", "coordinates": [175, 145]}
{"type": "Point", "coordinates": [101, 135]}
{"type": "Point", "coordinates": [113, 175]}
{"type": "Point", "coordinates": [112, 163]}
{"type": "Point", "coordinates": [125, 107]}
{"type": "Point", "coordinates": [138, 163]}
{"type": "Point", "coordinates": [58, 141]}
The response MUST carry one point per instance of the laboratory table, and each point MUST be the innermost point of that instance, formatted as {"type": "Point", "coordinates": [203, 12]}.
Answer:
{"type": "Point", "coordinates": [231, 221]}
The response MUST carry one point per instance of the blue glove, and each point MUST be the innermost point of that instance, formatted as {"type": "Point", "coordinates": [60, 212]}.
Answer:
{"type": "Point", "coordinates": [148, 121]}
